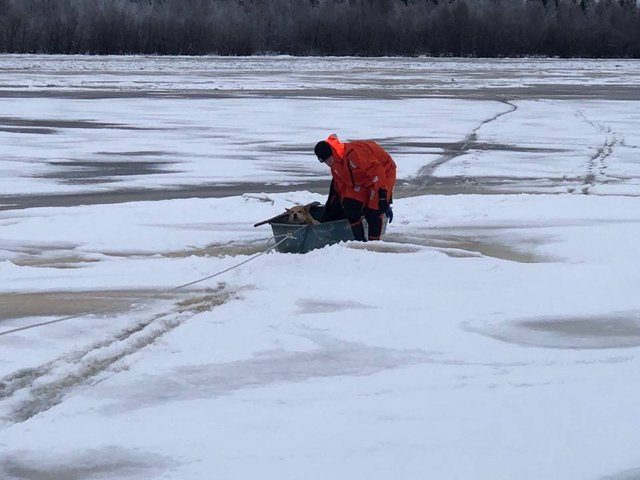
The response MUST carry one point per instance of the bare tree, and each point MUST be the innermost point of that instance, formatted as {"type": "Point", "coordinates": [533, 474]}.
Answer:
{"type": "Point", "coordinates": [595, 28]}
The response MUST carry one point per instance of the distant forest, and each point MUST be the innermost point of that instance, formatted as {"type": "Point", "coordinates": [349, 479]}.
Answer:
{"type": "Point", "coordinates": [478, 28]}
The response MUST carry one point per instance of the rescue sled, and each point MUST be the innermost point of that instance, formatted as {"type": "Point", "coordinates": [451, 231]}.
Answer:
{"type": "Point", "coordinates": [296, 238]}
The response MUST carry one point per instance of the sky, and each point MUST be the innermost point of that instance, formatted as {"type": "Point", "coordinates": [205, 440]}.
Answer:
{"type": "Point", "coordinates": [493, 333]}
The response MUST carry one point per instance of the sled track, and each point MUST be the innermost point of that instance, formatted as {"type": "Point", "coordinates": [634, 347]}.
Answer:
{"type": "Point", "coordinates": [596, 166]}
{"type": "Point", "coordinates": [425, 174]}
{"type": "Point", "coordinates": [31, 391]}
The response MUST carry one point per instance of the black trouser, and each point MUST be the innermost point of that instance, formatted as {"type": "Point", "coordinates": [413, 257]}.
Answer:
{"type": "Point", "coordinates": [353, 210]}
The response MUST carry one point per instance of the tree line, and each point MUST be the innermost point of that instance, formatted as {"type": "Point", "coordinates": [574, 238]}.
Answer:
{"type": "Point", "coordinates": [478, 28]}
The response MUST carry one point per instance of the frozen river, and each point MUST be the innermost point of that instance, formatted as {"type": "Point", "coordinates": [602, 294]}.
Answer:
{"type": "Point", "coordinates": [495, 333]}
{"type": "Point", "coordinates": [113, 129]}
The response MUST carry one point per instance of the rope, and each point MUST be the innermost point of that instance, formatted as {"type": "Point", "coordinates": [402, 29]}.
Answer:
{"type": "Point", "coordinates": [268, 249]}
{"type": "Point", "coordinates": [41, 324]}
{"type": "Point", "coordinates": [92, 312]}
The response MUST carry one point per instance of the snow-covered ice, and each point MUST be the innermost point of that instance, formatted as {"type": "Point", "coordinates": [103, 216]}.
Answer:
{"type": "Point", "coordinates": [494, 333]}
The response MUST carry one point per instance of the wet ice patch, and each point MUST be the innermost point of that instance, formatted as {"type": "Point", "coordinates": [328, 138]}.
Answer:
{"type": "Point", "coordinates": [328, 306]}
{"type": "Point", "coordinates": [475, 243]}
{"type": "Point", "coordinates": [633, 474]}
{"type": "Point", "coordinates": [61, 303]}
{"type": "Point", "coordinates": [223, 249]}
{"type": "Point", "coordinates": [617, 330]}
{"type": "Point", "coordinates": [110, 462]}
{"type": "Point", "coordinates": [54, 260]}
{"type": "Point", "coordinates": [76, 172]}
{"type": "Point", "coordinates": [34, 254]}
{"type": "Point", "coordinates": [36, 130]}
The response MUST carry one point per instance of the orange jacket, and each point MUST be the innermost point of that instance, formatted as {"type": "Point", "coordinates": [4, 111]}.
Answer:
{"type": "Point", "coordinates": [360, 169]}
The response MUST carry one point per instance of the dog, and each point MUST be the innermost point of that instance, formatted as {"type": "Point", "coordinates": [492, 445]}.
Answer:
{"type": "Point", "coordinates": [301, 214]}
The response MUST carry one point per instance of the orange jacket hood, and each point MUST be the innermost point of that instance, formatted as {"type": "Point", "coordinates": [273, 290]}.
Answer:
{"type": "Point", "coordinates": [336, 145]}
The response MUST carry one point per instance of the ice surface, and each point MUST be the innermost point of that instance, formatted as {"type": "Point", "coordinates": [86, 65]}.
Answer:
{"type": "Point", "coordinates": [493, 334]}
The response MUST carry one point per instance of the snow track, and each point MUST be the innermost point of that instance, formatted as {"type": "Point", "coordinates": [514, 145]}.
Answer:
{"type": "Point", "coordinates": [425, 174]}
{"type": "Point", "coordinates": [596, 166]}
{"type": "Point", "coordinates": [31, 391]}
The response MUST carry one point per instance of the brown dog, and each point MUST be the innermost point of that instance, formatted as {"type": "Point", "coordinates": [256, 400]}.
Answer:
{"type": "Point", "coordinates": [301, 214]}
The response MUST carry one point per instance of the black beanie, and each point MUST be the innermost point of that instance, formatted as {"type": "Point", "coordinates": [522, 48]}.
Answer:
{"type": "Point", "coordinates": [322, 150]}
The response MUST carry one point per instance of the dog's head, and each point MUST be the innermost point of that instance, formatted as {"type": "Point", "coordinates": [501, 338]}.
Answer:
{"type": "Point", "coordinates": [299, 214]}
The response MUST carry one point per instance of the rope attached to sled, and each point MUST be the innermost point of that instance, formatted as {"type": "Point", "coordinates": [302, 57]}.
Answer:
{"type": "Point", "coordinates": [268, 249]}
{"type": "Point", "coordinates": [173, 289]}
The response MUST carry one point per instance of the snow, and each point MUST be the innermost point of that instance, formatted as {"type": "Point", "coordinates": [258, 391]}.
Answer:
{"type": "Point", "coordinates": [492, 334]}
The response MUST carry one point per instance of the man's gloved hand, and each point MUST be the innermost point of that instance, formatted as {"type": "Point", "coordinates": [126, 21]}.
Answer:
{"type": "Point", "coordinates": [389, 214]}
{"type": "Point", "coordinates": [383, 201]}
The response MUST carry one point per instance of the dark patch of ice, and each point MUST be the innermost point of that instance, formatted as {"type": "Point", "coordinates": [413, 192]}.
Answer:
{"type": "Point", "coordinates": [111, 462]}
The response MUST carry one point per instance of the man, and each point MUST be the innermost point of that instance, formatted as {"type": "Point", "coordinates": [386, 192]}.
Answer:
{"type": "Point", "coordinates": [363, 177]}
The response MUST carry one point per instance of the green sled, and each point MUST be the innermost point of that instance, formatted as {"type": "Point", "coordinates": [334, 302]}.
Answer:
{"type": "Point", "coordinates": [298, 238]}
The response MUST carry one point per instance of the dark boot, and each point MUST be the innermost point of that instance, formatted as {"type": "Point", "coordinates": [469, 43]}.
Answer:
{"type": "Point", "coordinates": [358, 231]}
{"type": "Point", "coordinates": [374, 219]}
